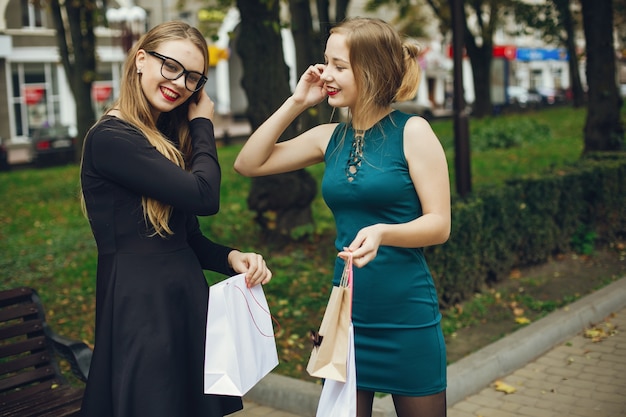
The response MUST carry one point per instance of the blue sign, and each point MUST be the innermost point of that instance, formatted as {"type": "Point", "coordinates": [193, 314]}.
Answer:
{"type": "Point", "coordinates": [541, 54]}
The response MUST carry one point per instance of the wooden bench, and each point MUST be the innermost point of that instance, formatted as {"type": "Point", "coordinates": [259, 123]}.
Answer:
{"type": "Point", "coordinates": [31, 382]}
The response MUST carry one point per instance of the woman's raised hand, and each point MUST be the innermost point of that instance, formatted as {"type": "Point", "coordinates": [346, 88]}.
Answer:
{"type": "Point", "coordinates": [310, 88]}
{"type": "Point", "coordinates": [201, 106]}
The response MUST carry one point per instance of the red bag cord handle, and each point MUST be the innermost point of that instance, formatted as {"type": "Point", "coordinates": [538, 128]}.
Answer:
{"type": "Point", "coordinates": [252, 315]}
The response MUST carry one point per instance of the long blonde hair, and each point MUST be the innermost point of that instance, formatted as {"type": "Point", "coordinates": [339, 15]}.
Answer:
{"type": "Point", "coordinates": [135, 109]}
{"type": "Point", "coordinates": [385, 66]}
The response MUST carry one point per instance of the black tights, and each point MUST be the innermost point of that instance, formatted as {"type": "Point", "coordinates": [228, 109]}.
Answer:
{"type": "Point", "coordinates": [428, 406]}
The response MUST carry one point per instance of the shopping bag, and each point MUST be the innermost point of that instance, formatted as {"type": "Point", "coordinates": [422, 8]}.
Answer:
{"type": "Point", "coordinates": [338, 399]}
{"type": "Point", "coordinates": [240, 348]}
{"type": "Point", "coordinates": [330, 345]}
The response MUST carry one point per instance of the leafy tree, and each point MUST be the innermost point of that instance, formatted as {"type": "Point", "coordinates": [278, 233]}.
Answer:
{"type": "Point", "coordinates": [411, 19]}
{"type": "Point", "coordinates": [77, 43]}
{"type": "Point", "coordinates": [478, 38]}
{"type": "Point", "coordinates": [557, 23]}
{"type": "Point", "coordinates": [603, 128]}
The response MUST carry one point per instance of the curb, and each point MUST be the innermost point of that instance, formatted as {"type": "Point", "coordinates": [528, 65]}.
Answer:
{"type": "Point", "coordinates": [474, 372]}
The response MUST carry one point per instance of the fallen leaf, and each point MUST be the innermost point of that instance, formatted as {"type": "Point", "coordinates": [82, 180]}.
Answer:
{"type": "Point", "coordinates": [595, 334]}
{"type": "Point", "coordinates": [504, 387]}
{"type": "Point", "coordinates": [600, 332]}
{"type": "Point", "coordinates": [522, 320]}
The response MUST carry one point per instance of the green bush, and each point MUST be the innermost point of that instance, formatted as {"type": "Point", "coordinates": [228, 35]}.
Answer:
{"type": "Point", "coordinates": [508, 133]}
{"type": "Point", "coordinates": [528, 220]}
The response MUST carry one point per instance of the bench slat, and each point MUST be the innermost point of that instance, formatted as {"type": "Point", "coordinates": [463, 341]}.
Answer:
{"type": "Point", "coordinates": [28, 345]}
{"type": "Point", "coordinates": [14, 295]}
{"type": "Point", "coordinates": [23, 379]}
{"type": "Point", "coordinates": [25, 328]}
{"type": "Point", "coordinates": [23, 395]}
{"type": "Point", "coordinates": [62, 401]}
{"type": "Point", "coordinates": [20, 311]}
{"type": "Point", "coordinates": [33, 360]}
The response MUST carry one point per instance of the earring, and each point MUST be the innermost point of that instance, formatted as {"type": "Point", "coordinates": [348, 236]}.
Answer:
{"type": "Point", "coordinates": [138, 70]}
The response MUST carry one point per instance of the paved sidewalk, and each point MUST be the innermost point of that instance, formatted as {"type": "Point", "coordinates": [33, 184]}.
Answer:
{"type": "Point", "coordinates": [553, 366]}
{"type": "Point", "coordinates": [579, 378]}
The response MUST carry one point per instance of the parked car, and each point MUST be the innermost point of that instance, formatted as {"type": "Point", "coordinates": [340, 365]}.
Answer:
{"type": "Point", "coordinates": [522, 97]}
{"type": "Point", "coordinates": [4, 157]}
{"type": "Point", "coordinates": [550, 95]}
{"type": "Point", "coordinates": [52, 146]}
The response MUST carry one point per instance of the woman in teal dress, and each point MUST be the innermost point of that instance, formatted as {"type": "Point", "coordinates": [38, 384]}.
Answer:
{"type": "Point", "coordinates": [386, 182]}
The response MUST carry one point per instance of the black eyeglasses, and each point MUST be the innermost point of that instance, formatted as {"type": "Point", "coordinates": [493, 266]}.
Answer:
{"type": "Point", "coordinates": [173, 70]}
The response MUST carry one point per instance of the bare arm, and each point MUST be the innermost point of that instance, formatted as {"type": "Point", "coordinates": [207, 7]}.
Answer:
{"type": "Point", "coordinates": [429, 171]}
{"type": "Point", "coordinates": [261, 155]}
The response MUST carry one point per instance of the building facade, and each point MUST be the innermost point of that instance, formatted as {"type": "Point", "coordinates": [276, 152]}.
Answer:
{"type": "Point", "coordinates": [35, 92]}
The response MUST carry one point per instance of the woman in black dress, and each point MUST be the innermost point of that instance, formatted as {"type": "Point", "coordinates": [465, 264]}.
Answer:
{"type": "Point", "coordinates": [149, 168]}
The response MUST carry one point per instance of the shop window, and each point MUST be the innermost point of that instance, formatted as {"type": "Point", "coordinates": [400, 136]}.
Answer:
{"type": "Point", "coordinates": [35, 96]}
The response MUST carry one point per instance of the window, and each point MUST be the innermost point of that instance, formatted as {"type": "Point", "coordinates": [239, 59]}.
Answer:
{"type": "Point", "coordinates": [32, 14]}
{"type": "Point", "coordinates": [35, 96]}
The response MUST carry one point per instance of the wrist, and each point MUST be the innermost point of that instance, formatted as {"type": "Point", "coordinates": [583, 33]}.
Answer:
{"type": "Point", "coordinates": [231, 258]}
{"type": "Point", "coordinates": [297, 104]}
{"type": "Point", "coordinates": [381, 229]}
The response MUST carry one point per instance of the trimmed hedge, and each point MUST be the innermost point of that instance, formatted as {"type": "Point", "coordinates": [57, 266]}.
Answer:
{"type": "Point", "coordinates": [527, 221]}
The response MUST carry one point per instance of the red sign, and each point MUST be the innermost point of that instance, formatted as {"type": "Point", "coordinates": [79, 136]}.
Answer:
{"type": "Point", "coordinates": [504, 51]}
{"type": "Point", "coordinates": [499, 51]}
{"type": "Point", "coordinates": [101, 92]}
{"type": "Point", "coordinates": [33, 94]}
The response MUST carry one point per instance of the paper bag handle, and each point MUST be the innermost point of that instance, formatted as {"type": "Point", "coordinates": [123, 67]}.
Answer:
{"type": "Point", "coordinates": [264, 310]}
{"type": "Point", "coordinates": [346, 278]}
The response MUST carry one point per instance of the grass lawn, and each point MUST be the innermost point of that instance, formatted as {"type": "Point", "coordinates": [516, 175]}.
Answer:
{"type": "Point", "coordinates": [45, 241]}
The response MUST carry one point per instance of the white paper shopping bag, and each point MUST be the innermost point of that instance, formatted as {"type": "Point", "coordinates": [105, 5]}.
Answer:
{"type": "Point", "coordinates": [240, 348]}
{"type": "Point", "coordinates": [338, 399]}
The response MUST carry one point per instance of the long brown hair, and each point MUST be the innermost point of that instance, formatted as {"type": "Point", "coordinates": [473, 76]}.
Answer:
{"type": "Point", "coordinates": [135, 109]}
{"type": "Point", "coordinates": [385, 66]}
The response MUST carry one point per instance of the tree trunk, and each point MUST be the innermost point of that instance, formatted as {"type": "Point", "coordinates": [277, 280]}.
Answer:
{"type": "Point", "coordinates": [79, 65]}
{"type": "Point", "coordinates": [282, 202]}
{"type": "Point", "coordinates": [480, 59]}
{"type": "Point", "coordinates": [603, 127]}
{"type": "Point", "coordinates": [308, 51]}
{"type": "Point", "coordinates": [578, 95]}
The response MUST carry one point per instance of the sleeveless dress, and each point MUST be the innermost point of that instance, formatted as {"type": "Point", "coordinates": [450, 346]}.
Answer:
{"type": "Point", "coordinates": [151, 293]}
{"type": "Point", "coordinates": [399, 345]}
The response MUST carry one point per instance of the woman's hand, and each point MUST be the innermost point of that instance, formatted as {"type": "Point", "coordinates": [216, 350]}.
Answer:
{"type": "Point", "coordinates": [364, 247]}
{"type": "Point", "coordinates": [310, 88]}
{"type": "Point", "coordinates": [201, 106]}
{"type": "Point", "coordinates": [252, 264]}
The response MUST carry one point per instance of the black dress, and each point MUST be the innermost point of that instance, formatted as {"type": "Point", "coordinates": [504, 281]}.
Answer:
{"type": "Point", "coordinates": [151, 293]}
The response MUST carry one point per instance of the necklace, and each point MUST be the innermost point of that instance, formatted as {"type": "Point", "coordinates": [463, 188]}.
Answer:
{"type": "Point", "coordinates": [356, 154]}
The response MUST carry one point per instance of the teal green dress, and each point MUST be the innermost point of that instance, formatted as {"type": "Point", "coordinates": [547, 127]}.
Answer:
{"type": "Point", "coordinates": [399, 346]}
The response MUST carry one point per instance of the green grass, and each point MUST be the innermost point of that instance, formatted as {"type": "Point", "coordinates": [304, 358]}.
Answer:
{"type": "Point", "coordinates": [45, 241]}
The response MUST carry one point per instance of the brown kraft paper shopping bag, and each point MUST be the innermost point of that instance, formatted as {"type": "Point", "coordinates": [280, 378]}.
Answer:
{"type": "Point", "coordinates": [330, 354]}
